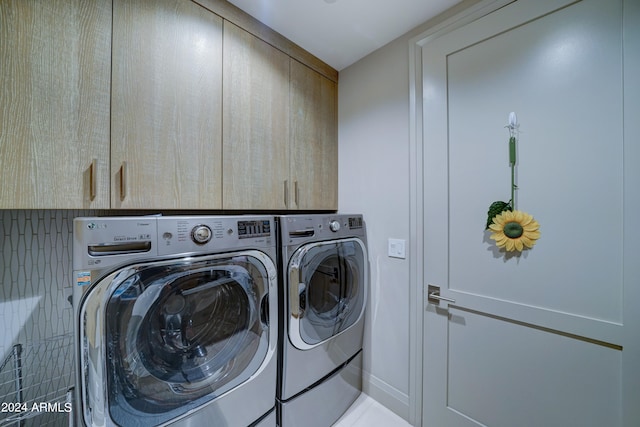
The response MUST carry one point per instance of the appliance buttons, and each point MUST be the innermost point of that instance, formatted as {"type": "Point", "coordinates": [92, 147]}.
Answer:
{"type": "Point", "coordinates": [334, 225]}
{"type": "Point", "coordinates": [201, 234]}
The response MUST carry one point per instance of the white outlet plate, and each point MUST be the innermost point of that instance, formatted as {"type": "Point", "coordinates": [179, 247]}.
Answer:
{"type": "Point", "coordinates": [397, 248]}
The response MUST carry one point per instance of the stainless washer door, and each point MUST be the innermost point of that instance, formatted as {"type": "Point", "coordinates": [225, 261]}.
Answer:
{"type": "Point", "coordinates": [327, 290]}
{"type": "Point", "coordinates": [160, 339]}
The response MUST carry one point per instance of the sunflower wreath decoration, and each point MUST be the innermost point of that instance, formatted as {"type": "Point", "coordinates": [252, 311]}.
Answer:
{"type": "Point", "coordinates": [513, 230]}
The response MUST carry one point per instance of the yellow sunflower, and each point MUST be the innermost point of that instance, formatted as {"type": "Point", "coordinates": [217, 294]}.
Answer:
{"type": "Point", "coordinates": [515, 230]}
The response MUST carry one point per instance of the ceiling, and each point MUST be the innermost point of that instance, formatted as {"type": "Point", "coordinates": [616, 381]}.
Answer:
{"type": "Point", "coordinates": [340, 32]}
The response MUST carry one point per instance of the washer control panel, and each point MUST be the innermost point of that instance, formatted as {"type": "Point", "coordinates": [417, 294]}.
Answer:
{"type": "Point", "coordinates": [202, 234]}
{"type": "Point", "coordinates": [103, 241]}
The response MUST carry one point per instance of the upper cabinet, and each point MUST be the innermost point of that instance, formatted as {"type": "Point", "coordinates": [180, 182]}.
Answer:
{"type": "Point", "coordinates": [160, 104]}
{"type": "Point", "coordinates": [54, 120]}
{"type": "Point", "coordinates": [166, 106]}
{"type": "Point", "coordinates": [280, 142]}
{"type": "Point", "coordinates": [314, 139]}
{"type": "Point", "coordinates": [256, 122]}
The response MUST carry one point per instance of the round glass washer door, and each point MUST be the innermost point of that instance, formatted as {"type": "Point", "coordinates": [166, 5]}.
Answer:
{"type": "Point", "coordinates": [327, 290]}
{"type": "Point", "coordinates": [178, 334]}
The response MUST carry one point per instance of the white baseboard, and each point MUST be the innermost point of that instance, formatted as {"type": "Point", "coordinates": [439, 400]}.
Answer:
{"type": "Point", "coordinates": [387, 395]}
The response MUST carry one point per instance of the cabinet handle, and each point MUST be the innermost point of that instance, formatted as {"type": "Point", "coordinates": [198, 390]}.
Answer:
{"type": "Point", "coordinates": [93, 178]}
{"type": "Point", "coordinates": [123, 181]}
{"type": "Point", "coordinates": [286, 193]}
{"type": "Point", "coordinates": [296, 193]}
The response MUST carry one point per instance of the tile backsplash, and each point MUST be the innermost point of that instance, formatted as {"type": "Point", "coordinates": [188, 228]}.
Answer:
{"type": "Point", "coordinates": [36, 316]}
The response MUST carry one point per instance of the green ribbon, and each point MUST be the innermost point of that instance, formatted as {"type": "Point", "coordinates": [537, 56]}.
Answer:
{"type": "Point", "coordinates": [512, 163]}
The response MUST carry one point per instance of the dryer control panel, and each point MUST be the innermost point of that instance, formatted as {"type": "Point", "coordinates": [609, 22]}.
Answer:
{"type": "Point", "coordinates": [298, 229]}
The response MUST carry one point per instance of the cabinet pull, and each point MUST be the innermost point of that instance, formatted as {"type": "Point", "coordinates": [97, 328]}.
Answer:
{"type": "Point", "coordinates": [93, 178]}
{"type": "Point", "coordinates": [286, 193]}
{"type": "Point", "coordinates": [123, 181]}
{"type": "Point", "coordinates": [296, 194]}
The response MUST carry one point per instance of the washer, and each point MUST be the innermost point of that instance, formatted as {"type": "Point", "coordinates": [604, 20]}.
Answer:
{"type": "Point", "coordinates": [324, 286]}
{"type": "Point", "coordinates": [176, 320]}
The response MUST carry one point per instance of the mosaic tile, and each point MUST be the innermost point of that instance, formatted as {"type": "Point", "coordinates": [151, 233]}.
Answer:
{"type": "Point", "coordinates": [35, 270]}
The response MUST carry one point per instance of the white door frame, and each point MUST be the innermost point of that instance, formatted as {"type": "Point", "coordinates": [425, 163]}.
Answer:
{"type": "Point", "coordinates": [631, 391]}
{"type": "Point", "coordinates": [416, 202]}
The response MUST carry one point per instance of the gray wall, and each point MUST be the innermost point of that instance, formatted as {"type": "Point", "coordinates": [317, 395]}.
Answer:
{"type": "Point", "coordinates": [373, 137]}
{"type": "Point", "coordinates": [373, 175]}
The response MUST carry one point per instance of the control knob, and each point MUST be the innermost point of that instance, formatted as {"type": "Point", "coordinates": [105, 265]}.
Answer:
{"type": "Point", "coordinates": [201, 234]}
{"type": "Point", "coordinates": [334, 225]}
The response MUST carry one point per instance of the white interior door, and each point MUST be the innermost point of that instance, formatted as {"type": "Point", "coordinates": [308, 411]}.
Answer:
{"type": "Point", "coordinates": [549, 336]}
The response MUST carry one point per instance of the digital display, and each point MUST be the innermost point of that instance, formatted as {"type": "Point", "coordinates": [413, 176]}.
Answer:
{"type": "Point", "coordinates": [355, 222]}
{"type": "Point", "coordinates": [257, 228]}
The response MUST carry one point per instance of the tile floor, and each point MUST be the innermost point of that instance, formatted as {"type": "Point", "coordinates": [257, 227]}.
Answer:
{"type": "Point", "coordinates": [366, 412]}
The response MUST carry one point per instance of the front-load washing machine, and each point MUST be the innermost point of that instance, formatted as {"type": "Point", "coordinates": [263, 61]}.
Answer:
{"type": "Point", "coordinates": [324, 286]}
{"type": "Point", "coordinates": [176, 320]}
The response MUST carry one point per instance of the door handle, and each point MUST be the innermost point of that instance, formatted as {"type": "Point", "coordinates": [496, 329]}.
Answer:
{"type": "Point", "coordinates": [433, 295]}
{"type": "Point", "coordinates": [264, 310]}
{"type": "Point", "coordinates": [297, 300]}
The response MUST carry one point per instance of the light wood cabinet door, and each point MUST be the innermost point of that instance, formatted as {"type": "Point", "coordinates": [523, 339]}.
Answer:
{"type": "Point", "coordinates": [166, 106]}
{"type": "Point", "coordinates": [314, 139]}
{"type": "Point", "coordinates": [54, 115]}
{"type": "Point", "coordinates": [256, 122]}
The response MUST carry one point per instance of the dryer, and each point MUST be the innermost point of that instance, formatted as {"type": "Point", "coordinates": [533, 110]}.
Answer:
{"type": "Point", "coordinates": [176, 320]}
{"type": "Point", "coordinates": [323, 294]}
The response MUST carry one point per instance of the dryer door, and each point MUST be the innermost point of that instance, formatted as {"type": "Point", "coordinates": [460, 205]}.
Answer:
{"type": "Point", "coordinates": [327, 290]}
{"type": "Point", "coordinates": [177, 334]}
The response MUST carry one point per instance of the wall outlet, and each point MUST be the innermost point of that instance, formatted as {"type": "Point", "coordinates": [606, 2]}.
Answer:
{"type": "Point", "coordinates": [396, 248]}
